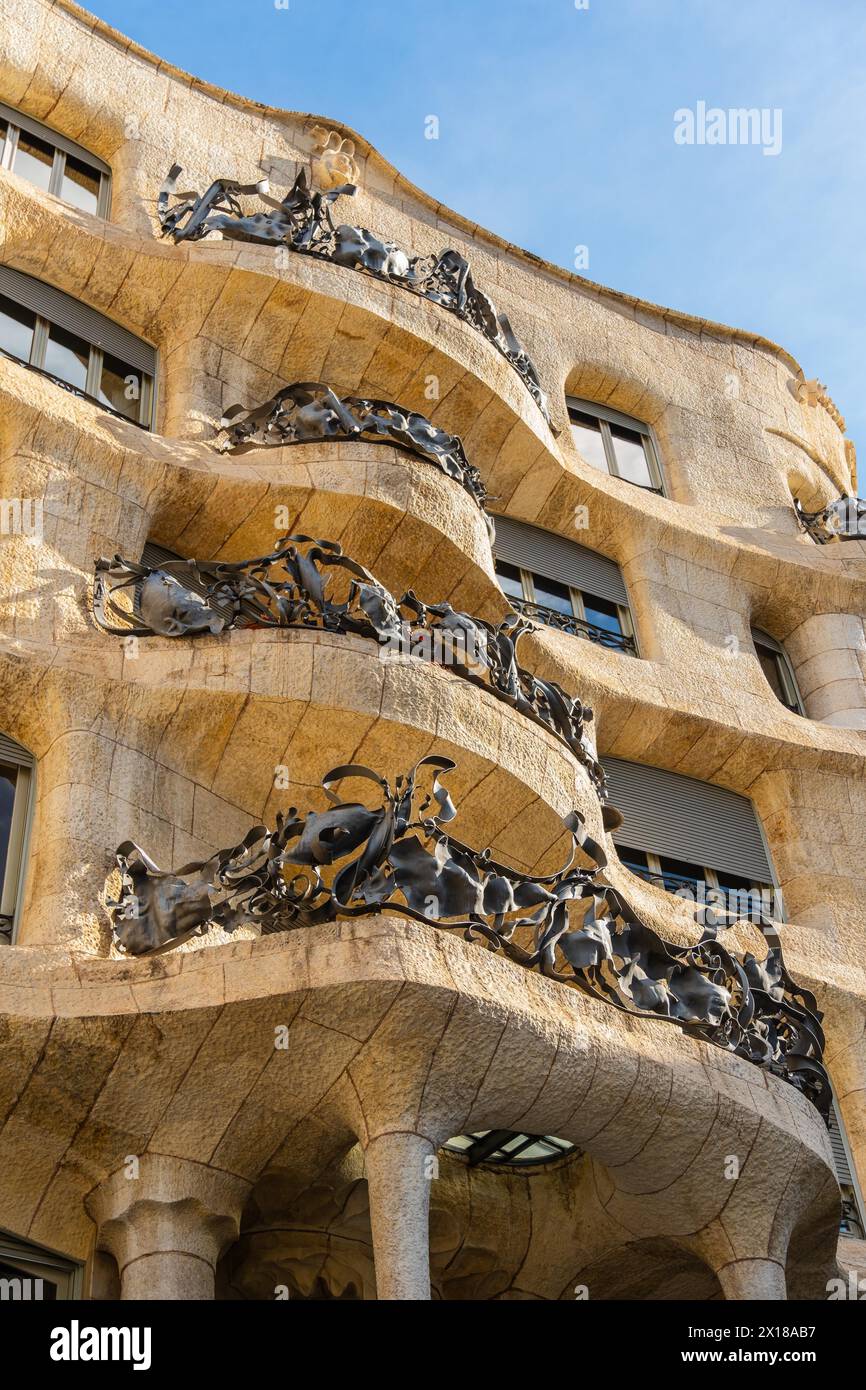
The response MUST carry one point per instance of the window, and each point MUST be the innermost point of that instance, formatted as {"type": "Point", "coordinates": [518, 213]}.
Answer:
{"type": "Point", "coordinates": [777, 669]}
{"type": "Point", "coordinates": [732, 893]}
{"type": "Point", "coordinates": [53, 163]}
{"type": "Point", "coordinates": [615, 444]}
{"type": "Point", "coordinates": [31, 1274]}
{"type": "Point", "coordinates": [692, 838]}
{"type": "Point", "coordinates": [503, 1146]}
{"type": "Point", "coordinates": [853, 1221]}
{"type": "Point", "coordinates": [76, 346]}
{"type": "Point", "coordinates": [557, 582]}
{"type": "Point", "coordinates": [16, 798]}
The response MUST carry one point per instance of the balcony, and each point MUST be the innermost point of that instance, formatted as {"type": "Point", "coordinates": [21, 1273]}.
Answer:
{"type": "Point", "coordinates": [574, 626]}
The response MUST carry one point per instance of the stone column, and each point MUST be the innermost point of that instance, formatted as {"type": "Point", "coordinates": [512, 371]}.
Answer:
{"type": "Point", "coordinates": [168, 1226]}
{"type": "Point", "coordinates": [399, 1172]}
{"type": "Point", "coordinates": [828, 653]}
{"type": "Point", "coordinates": [752, 1280]}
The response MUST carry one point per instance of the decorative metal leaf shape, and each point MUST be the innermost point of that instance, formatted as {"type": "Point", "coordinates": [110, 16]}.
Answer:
{"type": "Point", "coordinates": [569, 925]}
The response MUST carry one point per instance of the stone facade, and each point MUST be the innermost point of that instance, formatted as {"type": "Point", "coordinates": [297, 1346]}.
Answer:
{"type": "Point", "coordinates": [253, 1116]}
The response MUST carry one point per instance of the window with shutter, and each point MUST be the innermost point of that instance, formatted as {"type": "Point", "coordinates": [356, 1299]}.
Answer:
{"type": "Point", "coordinates": [853, 1221]}
{"type": "Point", "coordinates": [17, 768]}
{"type": "Point", "coordinates": [686, 835]}
{"type": "Point", "coordinates": [76, 346]}
{"type": "Point", "coordinates": [562, 584]}
{"type": "Point", "coordinates": [32, 1274]}
{"type": "Point", "coordinates": [52, 162]}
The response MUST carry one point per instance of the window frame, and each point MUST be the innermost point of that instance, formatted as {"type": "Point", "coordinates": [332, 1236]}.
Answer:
{"type": "Point", "coordinates": [785, 670]}
{"type": "Point", "coordinates": [711, 876]}
{"type": "Point", "coordinates": [64, 149]}
{"type": "Point", "coordinates": [527, 577]}
{"type": "Point", "coordinates": [13, 755]}
{"type": "Point", "coordinates": [852, 1196]}
{"type": "Point", "coordinates": [38, 1262]}
{"type": "Point", "coordinates": [607, 417]}
{"type": "Point", "coordinates": [96, 356]}
{"type": "Point", "coordinates": [488, 1148]}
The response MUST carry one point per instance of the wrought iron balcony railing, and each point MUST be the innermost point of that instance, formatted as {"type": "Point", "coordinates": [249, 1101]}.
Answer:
{"type": "Point", "coordinates": [302, 222]}
{"type": "Point", "coordinates": [397, 855]}
{"type": "Point", "coordinates": [73, 390]}
{"type": "Point", "coordinates": [576, 627]}
{"type": "Point", "coordinates": [311, 412]}
{"type": "Point", "coordinates": [841, 520]}
{"type": "Point", "coordinates": [312, 584]}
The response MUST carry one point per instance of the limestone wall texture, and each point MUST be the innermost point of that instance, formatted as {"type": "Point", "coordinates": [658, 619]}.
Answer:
{"type": "Point", "coordinates": [396, 1031]}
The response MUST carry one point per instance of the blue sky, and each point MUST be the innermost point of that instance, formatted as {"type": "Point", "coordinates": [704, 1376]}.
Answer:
{"type": "Point", "coordinates": [556, 130]}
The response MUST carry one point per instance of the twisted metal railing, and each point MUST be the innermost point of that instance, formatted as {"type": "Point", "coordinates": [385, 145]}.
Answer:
{"type": "Point", "coordinates": [311, 584]}
{"type": "Point", "coordinates": [576, 627]}
{"type": "Point", "coordinates": [354, 860]}
{"type": "Point", "coordinates": [302, 222]}
{"type": "Point", "coordinates": [841, 520]}
{"type": "Point", "coordinates": [312, 411]}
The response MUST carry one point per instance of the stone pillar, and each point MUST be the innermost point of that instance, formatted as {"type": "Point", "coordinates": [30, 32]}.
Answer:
{"type": "Point", "coordinates": [168, 1226]}
{"type": "Point", "coordinates": [399, 1172]}
{"type": "Point", "coordinates": [752, 1281]}
{"type": "Point", "coordinates": [828, 653]}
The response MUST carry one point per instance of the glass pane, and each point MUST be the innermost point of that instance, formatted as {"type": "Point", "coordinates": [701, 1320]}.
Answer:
{"type": "Point", "coordinates": [16, 329]}
{"type": "Point", "coordinates": [631, 459]}
{"type": "Point", "coordinates": [634, 859]}
{"type": "Point", "coordinates": [551, 594]}
{"type": "Point", "coordinates": [727, 880]}
{"type": "Point", "coordinates": [586, 432]}
{"type": "Point", "coordinates": [517, 1141]}
{"type": "Point", "coordinates": [67, 356]}
{"type": "Point", "coordinates": [34, 160]}
{"type": "Point", "coordinates": [121, 387]}
{"type": "Point", "coordinates": [80, 185]}
{"type": "Point", "coordinates": [509, 579]}
{"type": "Point", "coordinates": [678, 873]}
{"type": "Point", "coordinates": [538, 1152]}
{"type": "Point", "coordinates": [602, 613]}
{"type": "Point", "coordinates": [8, 777]}
{"type": "Point", "coordinates": [30, 1286]}
{"type": "Point", "coordinates": [770, 665]}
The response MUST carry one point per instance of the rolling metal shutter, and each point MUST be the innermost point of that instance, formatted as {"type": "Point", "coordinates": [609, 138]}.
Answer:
{"type": "Point", "coordinates": [767, 641]}
{"type": "Point", "coordinates": [554, 557]}
{"type": "Point", "coordinates": [669, 814]}
{"type": "Point", "coordinates": [68, 313]}
{"type": "Point", "coordinates": [52, 137]}
{"type": "Point", "coordinates": [157, 555]}
{"type": "Point", "coordinates": [13, 754]}
{"type": "Point", "coordinates": [840, 1153]}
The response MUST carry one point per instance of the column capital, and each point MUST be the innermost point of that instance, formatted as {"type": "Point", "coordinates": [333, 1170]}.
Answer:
{"type": "Point", "coordinates": [173, 1207]}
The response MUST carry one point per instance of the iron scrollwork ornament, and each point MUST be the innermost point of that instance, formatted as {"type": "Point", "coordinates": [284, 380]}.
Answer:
{"type": "Point", "coordinates": [311, 410]}
{"type": "Point", "coordinates": [355, 860]}
{"type": "Point", "coordinates": [303, 221]}
{"type": "Point", "coordinates": [841, 520]}
{"type": "Point", "coordinates": [294, 586]}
